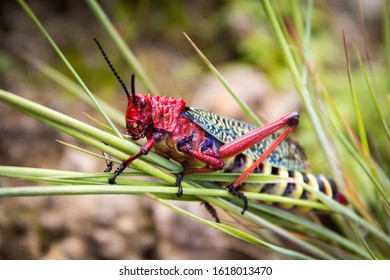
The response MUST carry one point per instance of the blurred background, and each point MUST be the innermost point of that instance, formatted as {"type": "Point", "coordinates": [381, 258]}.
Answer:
{"type": "Point", "coordinates": [237, 39]}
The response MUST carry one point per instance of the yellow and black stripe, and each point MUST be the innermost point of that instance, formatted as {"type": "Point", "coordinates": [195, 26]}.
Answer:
{"type": "Point", "coordinates": [319, 182]}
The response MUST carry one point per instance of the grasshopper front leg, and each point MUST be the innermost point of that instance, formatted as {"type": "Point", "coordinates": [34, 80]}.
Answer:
{"type": "Point", "coordinates": [145, 149]}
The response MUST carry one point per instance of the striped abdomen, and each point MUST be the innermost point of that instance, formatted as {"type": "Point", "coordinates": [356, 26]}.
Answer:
{"type": "Point", "coordinates": [319, 182]}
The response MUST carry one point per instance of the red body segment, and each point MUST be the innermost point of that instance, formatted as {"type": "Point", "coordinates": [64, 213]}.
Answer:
{"type": "Point", "coordinates": [166, 112]}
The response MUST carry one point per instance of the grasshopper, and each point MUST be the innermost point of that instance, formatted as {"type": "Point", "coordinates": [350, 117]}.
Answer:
{"type": "Point", "coordinates": [205, 142]}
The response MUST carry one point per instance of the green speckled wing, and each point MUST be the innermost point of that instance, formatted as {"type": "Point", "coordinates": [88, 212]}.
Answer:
{"type": "Point", "coordinates": [289, 154]}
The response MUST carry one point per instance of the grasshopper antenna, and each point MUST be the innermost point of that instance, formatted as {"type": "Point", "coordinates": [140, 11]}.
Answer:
{"type": "Point", "coordinates": [133, 88]}
{"type": "Point", "coordinates": [116, 73]}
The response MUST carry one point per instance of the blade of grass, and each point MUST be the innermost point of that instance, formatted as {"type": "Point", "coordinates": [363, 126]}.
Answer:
{"type": "Point", "coordinates": [338, 208]}
{"type": "Point", "coordinates": [372, 93]}
{"type": "Point", "coordinates": [245, 108]}
{"type": "Point", "coordinates": [31, 14]}
{"type": "Point", "coordinates": [307, 227]}
{"type": "Point", "coordinates": [386, 36]}
{"type": "Point", "coordinates": [366, 165]}
{"type": "Point", "coordinates": [259, 221]}
{"type": "Point", "coordinates": [306, 41]}
{"type": "Point", "coordinates": [26, 173]}
{"type": "Point", "coordinates": [120, 43]}
{"type": "Point", "coordinates": [360, 123]}
{"type": "Point", "coordinates": [297, 16]}
{"type": "Point", "coordinates": [87, 152]}
{"type": "Point", "coordinates": [310, 106]}
{"type": "Point", "coordinates": [22, 172]}
{"type": "Point", "coordinates": [86, 187]}
{"type": "Point", "coordinates": [100, 124]}
{"type": "Point", "coordinates": [74, 88]}
{"type": "Point", "coordinates": [94, 189]}
{"type": "Point", "coordinates": [365, 243]}
{"type": "Point", "coordinates": [236, 233]}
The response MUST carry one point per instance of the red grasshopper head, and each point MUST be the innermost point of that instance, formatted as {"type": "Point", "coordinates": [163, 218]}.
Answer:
{"type": "Point", "coordinates": [139, 110]}
{"type": "Point", "coordinates": [145, 112]}
{"type": "Point", "coordinates": [138, 115]}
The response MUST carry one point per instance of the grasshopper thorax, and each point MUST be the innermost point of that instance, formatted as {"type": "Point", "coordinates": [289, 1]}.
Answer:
{"type": "Point", "coordinates": [148, 113]}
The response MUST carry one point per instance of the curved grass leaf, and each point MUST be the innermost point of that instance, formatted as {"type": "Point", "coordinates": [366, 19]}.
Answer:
{"type": "Point", "coordinates": [120, 43]}
{"type": "Point", "coordinates": [31, 14]}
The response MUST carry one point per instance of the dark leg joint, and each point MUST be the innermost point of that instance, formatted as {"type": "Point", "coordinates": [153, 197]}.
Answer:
{"type": "Point", "coordinates": [294, 119]}
{"type": "Point", "coordinates": [144, 151]}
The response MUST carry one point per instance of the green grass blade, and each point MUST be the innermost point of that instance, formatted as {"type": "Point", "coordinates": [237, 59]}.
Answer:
{"type": "Point", "coordinates": [237, 233]}
{"type": "Point", "coordinates": [359, 119]}
{"type": "Point", "coordinates": [303, 92]}
{"type": "Point", "coordinates": [91, 189]}
{"type": "Point", "coordinates": [367, 166]}
{"type": "Point", "coordinates": [386, 36]}
{"type": "Point", "coordinates": [306, 41]}
{"type": "Point", "coordinates": [120, 43]}
{"type": "Point", "coordinates": [245, 108]}
{"type": "Point", "coordinates": [31, 14]}
{"type": "Point", "coordinates": [338, 208]}
{"type": "Point", "coordinates": [297, 16]}
{"type": "Point", "coordinates": [308, 227]}
{"type": "Point", "coordinates": [279, 231]}
{"type": "Point", "coordinates": [74, 88]}
{"type": "Point", "coordinates": [372, 93]}
{"type": "Point", "coordinates": [87, 152]}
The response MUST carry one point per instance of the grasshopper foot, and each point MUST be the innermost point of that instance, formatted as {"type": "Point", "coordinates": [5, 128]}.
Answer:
{"type": "Point", "coordinates": [118, 171]}
{"type": "Point", "coordinates": [240, 195]}
{"type": "Point", "coordinates": [109, 167]}
{"type": "Point", "coordinates": [111, 181]}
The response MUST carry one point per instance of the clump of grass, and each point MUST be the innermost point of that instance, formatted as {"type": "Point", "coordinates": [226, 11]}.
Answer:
{"type": "Point", "coordinates": [363, 227]}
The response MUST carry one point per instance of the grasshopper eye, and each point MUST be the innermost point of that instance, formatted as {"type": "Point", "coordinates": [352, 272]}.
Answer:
{"type": "Point", "coordinates": [142, 103]}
